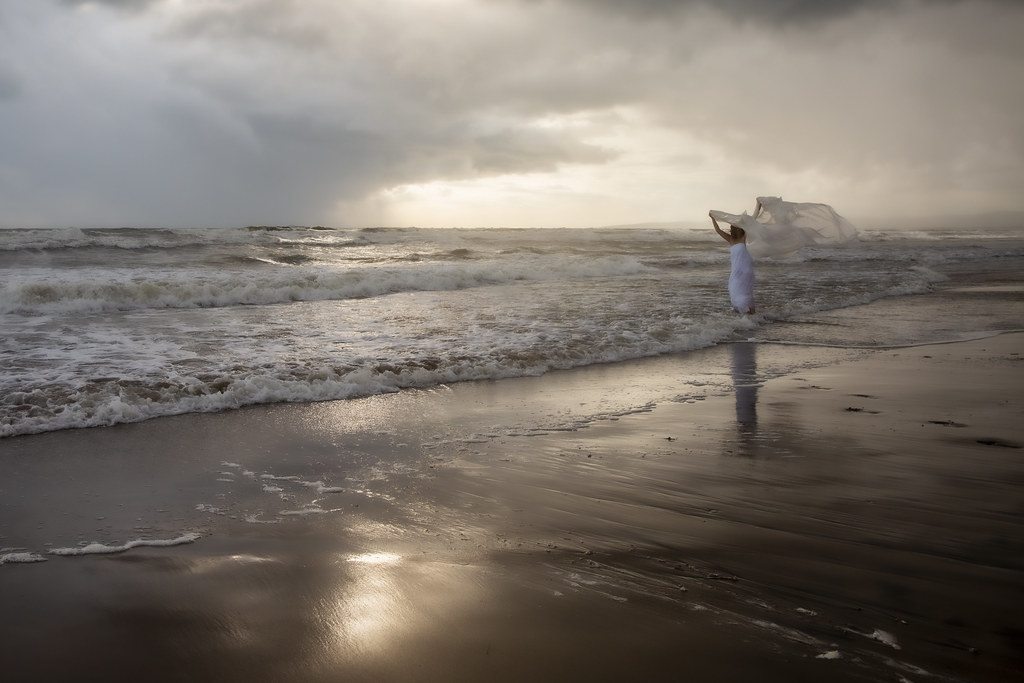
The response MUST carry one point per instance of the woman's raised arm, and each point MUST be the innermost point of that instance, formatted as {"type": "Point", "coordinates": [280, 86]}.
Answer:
{"type": "Point", "coordinates": [726, 236]}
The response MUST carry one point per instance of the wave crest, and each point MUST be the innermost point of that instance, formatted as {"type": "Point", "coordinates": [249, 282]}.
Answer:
{"type": "Point", "coordinates": [95, 292]}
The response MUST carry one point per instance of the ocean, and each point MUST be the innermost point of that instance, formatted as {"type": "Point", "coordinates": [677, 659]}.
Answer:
{"type": "Point", "coordinates": [107, 326]}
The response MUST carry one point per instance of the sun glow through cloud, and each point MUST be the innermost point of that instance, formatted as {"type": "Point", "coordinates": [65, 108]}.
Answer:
{"type": "Point", "coordinates": [652, 172]}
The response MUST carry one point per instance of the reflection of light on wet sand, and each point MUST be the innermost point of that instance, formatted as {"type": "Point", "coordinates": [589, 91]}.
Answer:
{"type": "Point", "coordinates": [213, 563]}
{"type": "Point", "coordinates": [370, 605]}
{"type": "Point", "coordinates": [368, 610]}
{"type": "Point", "coordinates": [384, 600]}
{"type": "Point", "coordinates": [375, 558]}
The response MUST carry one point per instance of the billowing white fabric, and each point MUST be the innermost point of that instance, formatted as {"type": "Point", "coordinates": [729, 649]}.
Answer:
{"type": "Point", "coordinates": [741, 278]}
{"type": "Point", "coordinates": [781, 227]}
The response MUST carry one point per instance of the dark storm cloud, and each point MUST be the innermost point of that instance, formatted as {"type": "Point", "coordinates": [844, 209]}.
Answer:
{"type": "Point", "coordinates": [795, 12]}
{"type": "Point", "coordinates": [783, 11]}
{"type": "Point", "coordinates": [252, 111]}
{"type": "Point", "coordinates": [303, 169]}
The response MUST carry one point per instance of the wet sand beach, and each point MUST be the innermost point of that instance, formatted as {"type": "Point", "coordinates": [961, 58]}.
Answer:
{"type": "Point", "coordinates": [856, 519]}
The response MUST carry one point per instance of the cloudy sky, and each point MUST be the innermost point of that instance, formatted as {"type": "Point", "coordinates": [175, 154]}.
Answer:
{"type": "Point", "coordinates": [504, 112]}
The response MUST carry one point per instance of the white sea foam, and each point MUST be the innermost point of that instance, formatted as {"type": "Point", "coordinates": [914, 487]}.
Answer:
{"type": "Point", "coordinates": [255, 519]}
{"type": "Point", "coordinates": [320, 487]}
{"type": "Point", "coordinates": [97, 548]}
{"type": "Point", "coordinates": [306, 511]}
{"type": "Point", "coordinates": [790, 633]}
{"type": "Point", "coordinates": [885, 638]}
{"type": "Point", "coordinates": [21, 558]}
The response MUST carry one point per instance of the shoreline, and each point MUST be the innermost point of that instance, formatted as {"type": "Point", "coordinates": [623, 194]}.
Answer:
{"type": "Point", "coordinates": [855, 518]}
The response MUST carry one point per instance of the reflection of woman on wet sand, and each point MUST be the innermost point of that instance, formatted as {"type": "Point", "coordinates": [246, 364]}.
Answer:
{"type": "Point", "coordinates": [744, 378]}
{"type": "Point", "coordinates": [745, 382]}
{"type": "Point", "coordinates": [741, 279]}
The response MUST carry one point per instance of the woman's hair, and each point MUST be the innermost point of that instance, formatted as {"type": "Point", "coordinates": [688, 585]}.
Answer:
{"type": "Point", "coordinates": [736, 231]}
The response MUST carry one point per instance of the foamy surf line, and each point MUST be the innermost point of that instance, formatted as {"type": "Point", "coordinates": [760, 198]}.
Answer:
{"type": "Point", "coordinates": [150, 378]}
{"type": "Point", "coordinates": [64, 404]}
{"type": "Point", "coordinates": [97, 548]}
{"type": "Point", "coordinates": [20, 557]}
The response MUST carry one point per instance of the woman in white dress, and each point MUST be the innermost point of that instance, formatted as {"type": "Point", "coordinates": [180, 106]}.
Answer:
{"type": "Point", "coordinates": [741, 279]}
{"type": "Point", "coordinates": [777, 229]}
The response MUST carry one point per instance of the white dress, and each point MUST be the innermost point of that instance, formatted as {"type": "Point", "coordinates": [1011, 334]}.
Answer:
{"type": "Point", "coordinates": [741, 279]}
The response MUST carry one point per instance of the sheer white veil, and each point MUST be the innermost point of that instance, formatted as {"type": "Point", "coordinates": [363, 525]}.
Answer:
{"type": "Point", "coordinates": [781, 228]}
